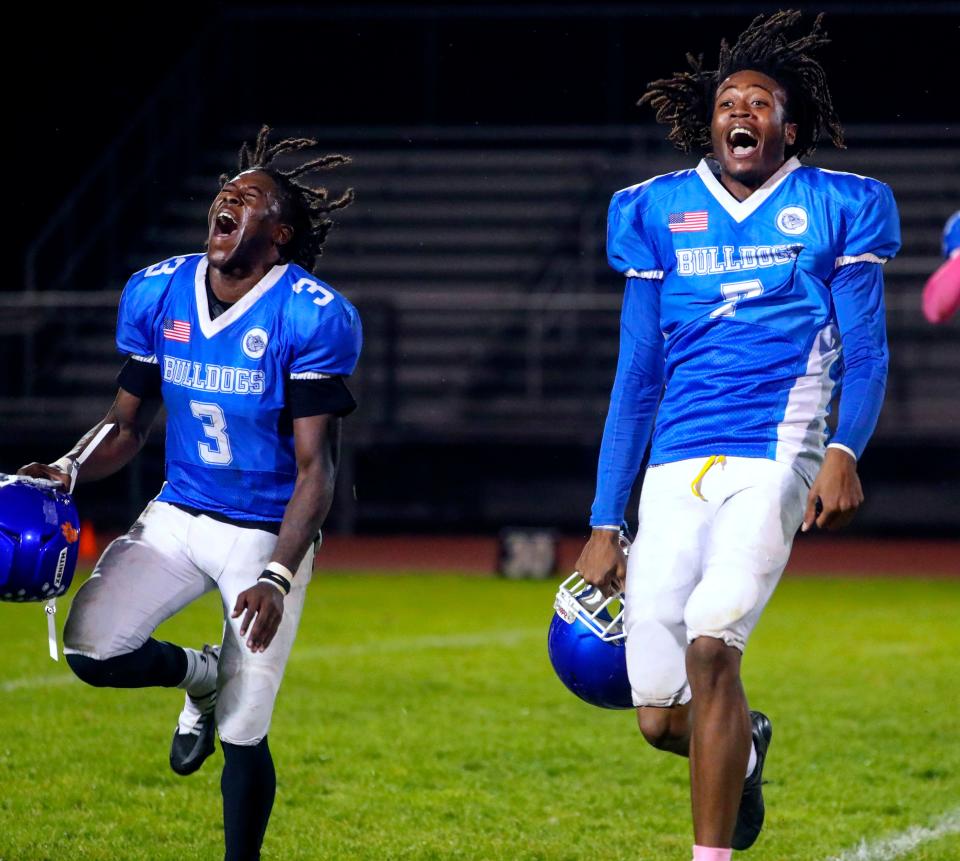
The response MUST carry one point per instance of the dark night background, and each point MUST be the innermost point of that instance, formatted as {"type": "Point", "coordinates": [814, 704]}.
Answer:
{"type": "Point", "coordinates": [76, 77]}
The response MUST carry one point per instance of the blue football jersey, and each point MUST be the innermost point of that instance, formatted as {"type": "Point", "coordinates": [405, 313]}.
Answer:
{"type": "Point", "coordinates": [742, 304]}
{"type": "Point", "coordinates": [229, 434]}
{"type": "Point", "coordinates": [951, 235]}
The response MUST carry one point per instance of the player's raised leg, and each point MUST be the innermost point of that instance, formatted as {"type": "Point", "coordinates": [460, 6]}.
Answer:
{"type": "Point", "coordinates": [662, 571]}
{"type": "Point", "coordinates": [143, 578]}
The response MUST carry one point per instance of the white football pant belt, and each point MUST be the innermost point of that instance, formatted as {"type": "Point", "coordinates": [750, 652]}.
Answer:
{"type": "Point", "coordinates": [50, 608]}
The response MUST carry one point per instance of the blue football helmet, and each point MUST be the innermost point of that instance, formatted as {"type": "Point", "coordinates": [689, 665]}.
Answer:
{"type": "Point", "coordinates": [587, 644]}
{"type": "Point", "coordinates": [39, 538]}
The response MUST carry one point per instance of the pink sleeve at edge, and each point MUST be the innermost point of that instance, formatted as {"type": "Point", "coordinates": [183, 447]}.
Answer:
{"type": "Point", "coordinates": [941, 296]}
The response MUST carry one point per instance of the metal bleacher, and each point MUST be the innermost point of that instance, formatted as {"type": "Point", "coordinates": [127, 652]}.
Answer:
{"type": "Point", "coordinates": [476, 259]}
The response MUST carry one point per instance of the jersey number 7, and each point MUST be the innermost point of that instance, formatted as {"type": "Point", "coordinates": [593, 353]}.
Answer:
{"type": "Point", "coordinates": [734, 292]}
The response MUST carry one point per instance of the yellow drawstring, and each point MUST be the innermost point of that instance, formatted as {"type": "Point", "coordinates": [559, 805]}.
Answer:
{"type": "Point", "coordinates": [695, 485]}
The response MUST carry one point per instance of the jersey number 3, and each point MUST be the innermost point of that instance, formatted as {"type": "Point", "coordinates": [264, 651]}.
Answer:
{"type": "Point", "coordinates": [325, 297]}
{"type": "Point", "coordinates": [214, 426]}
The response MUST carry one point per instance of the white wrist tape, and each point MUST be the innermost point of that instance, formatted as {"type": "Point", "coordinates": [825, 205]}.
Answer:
{"type": "Point", "coordinates": [278, 568]}
{"type": "Point", "coordinates": [65, 464]}
{"type": "Point", "coordinates": [71, 465]}
{"type": "Point", "coordinates": [842, 447]}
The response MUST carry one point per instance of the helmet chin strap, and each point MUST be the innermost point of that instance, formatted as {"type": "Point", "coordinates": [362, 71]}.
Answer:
{"type": "Point", "coordinates": [88, 449]}
{"type": "Point", "coordinates": [50, 607]}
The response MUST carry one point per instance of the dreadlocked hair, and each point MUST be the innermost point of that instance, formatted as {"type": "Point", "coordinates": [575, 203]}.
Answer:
{"type": "Point", "coordinates": [304, 207]}
{"type": "Point", "coordinates": [685, 101]}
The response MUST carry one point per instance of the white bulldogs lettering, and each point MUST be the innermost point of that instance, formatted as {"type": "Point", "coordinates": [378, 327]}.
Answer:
{"type": "Point", "coordinates": [711, 260]}
{"type": "Point", "coordinates": [212, 378]}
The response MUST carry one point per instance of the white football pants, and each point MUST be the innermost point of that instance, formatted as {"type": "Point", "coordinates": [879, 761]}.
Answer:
{"type": "Point", "coordinates": [704, 567]}
{"type": "Point", "coordinates": [168, 559]}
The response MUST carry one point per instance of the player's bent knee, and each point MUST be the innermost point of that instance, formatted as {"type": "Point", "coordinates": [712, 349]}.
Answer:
{"type": "Point", "coordinates": [91, 670]}
{"type": "Point", "coordinates": [93, 633]}
{"type": "Point", "coordinates": [655, 726]}
{"type": "Point", "coordinates": [707, 650]}
{"type": "Point", "coordinates": [712, 662]}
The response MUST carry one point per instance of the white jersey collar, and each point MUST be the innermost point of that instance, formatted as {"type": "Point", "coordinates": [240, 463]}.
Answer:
{"type": "Point", "coordinates": [238, 309]}
{"type": "Point", "coordinates": [740, 209]}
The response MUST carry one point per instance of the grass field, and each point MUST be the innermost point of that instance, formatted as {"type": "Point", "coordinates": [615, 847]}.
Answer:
{"type": "Point", "coordinates": [420, 719]}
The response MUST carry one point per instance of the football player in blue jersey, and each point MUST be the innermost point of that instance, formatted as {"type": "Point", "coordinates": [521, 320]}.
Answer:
{"type": "Point", "coordinates": [248, 351]}
{"type": "Point", "coordinates": [754, 292]}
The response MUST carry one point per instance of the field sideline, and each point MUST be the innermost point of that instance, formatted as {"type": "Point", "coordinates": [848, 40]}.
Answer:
{"type": "Point", "coordinates": [420, 719]}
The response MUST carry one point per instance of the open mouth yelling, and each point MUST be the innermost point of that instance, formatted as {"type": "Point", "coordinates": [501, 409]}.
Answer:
{"type": "Point", "coordinates": [224, 224]}
{"type": "Point", "coordinates": [742, 142]}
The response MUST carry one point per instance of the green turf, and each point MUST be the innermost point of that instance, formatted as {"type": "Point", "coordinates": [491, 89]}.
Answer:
{"type": "Point", "coordinates": [420, 719]}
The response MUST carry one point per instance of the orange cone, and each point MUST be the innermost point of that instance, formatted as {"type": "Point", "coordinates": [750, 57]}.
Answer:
{"type": "Point", "coordinates": [89, 549]}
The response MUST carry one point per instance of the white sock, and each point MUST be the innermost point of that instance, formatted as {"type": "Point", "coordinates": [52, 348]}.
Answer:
{"type": "Point", "coordinates": [201, 677]}
{"type": "Point", "coordinates": [752, 762]}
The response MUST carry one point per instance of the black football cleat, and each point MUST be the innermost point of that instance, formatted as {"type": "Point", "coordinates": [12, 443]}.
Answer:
{"type": "Point", "coordinates": [193, 739]}
{"type": "Point", "coordinates": [750, 814]}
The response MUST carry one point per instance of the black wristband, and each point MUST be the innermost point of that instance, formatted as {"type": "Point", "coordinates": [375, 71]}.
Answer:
{"type": "Point", "coordinates": [277, 580]}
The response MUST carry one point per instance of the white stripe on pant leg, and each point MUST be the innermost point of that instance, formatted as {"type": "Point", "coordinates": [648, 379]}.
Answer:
{"type": "Point", "coordinates": [891, 848]}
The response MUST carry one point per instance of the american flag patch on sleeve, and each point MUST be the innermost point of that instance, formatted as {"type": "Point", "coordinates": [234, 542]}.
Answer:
{"type": "Point", "coordinates": [176, 330]}
{"type": "Point", "coordinates": [687, 222]}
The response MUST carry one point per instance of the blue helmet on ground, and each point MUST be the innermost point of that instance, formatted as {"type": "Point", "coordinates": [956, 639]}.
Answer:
{"type": "Point", "coordinates": [39, 532]}
{"type": "Point", "coordinates": [586, 644]}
